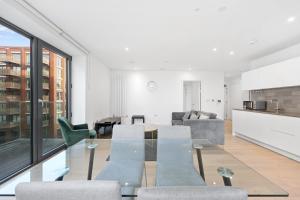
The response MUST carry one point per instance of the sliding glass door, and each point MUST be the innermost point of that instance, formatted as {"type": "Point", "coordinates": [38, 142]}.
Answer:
{"type": "Point", "coordinates": [53, 96]}
{"type": "Point", "coordinates": [34, 93]}
{"type": "Point", "coordinates": [15, 101]}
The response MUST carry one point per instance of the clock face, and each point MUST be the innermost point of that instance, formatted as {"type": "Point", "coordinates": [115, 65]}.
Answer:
{"type": "Point", "coordinates": [152, 85]}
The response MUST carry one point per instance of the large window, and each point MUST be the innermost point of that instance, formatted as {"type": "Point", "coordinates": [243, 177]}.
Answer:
{"type": "Point", "coordinates": [32, 96]}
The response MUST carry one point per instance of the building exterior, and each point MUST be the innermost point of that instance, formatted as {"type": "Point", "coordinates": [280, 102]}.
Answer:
{"type": "Point", "coordinates": [15, 93]}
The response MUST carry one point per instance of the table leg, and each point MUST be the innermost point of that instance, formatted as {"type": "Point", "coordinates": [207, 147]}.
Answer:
{"type": "Point", "coordinates": [227, 181]}
{"type": "Point", "coordinates": [91, 163]}
{"type": "Point", "coordinates": [200, 163]}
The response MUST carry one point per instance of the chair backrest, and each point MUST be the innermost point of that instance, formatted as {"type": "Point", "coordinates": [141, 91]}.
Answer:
{"type": "Point", "coordinates": [128, 143]}
{"type": "Point", "coordinates": [65, 124]}
{"type": "Point", "coordinates": [174, 142]}
{"type": "Point", "coordinates": [192, 193]}
{"type": "Point", "coordinates": [123, 132]}
{"type": "Point", "coordinates": [69, 190]}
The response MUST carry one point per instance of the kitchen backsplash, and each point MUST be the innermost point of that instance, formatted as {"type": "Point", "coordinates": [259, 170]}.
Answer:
{"type": "Point", "coordinates": [288, 98]}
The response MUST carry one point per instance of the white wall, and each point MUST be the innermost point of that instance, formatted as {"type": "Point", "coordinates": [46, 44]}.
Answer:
{"type": "Point", "coordinates": [98, 91]}
{"type": "Point", "coordinates": [158, 105]}
{"type": "Point", "coordinates": [79, 89]}
{"type": "Point", "coordinates": [235, 96]}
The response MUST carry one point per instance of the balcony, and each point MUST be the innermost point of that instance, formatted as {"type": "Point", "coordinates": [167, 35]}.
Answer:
{"type": "Point", "coordinates": [7, 125]}
{"type": "Point", "coordinates": [10, 98]}
{"type": "Point", "coordinates": [9, 111]}
{"type": "Point", "coordinates": [11, 85]}
{"type": "Point", "coordinates": [45, 97]}
{"type": "Point", "coordinates": [45, 73]}
{"type": "Point", "coordinates": [9, 72]}
{"type": "Point", "coordinates": [45, 123]}
{"type": "Point", "coordinates": [46, 86]}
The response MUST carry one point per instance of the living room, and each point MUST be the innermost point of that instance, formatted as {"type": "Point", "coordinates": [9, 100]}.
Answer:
{"type": "Point", "coordinates": [149, 99]}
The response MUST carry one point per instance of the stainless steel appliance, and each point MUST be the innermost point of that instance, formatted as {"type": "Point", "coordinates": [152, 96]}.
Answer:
{"type": "Point", "coordinates": [255, 105]}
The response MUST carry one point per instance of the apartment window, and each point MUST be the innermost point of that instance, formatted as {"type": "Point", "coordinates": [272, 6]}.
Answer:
{"type": "Point", "coordinates": [58, 61]}
{"type": "Point", "coordinates": [16, 57]}
{"type": "Point", "coordinates": [27, 60]}
{"type": "Point", "coordinates": [2, 56]}
{"type": "Point", "coordinates": [58, 73]}
{"type": "Point", "coordinates": [28, 72]}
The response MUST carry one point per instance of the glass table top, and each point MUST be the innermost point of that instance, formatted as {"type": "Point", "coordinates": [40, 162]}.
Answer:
{"type": "Point", "coordinates": [73, 163]}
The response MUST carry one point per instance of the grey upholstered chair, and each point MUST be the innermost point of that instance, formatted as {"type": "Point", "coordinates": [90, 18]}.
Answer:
{"type": "Point", "coordinates": [127, 158]}
{"type": "Point", "coordinates": [192, 193]}
{"type": "Point", "coordinates": [69, 190]}
{"type": "Point", "coordinates": [175, 158]}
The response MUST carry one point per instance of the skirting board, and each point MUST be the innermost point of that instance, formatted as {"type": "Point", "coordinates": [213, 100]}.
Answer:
{"type": "Point", "coordinates": [274, 149]}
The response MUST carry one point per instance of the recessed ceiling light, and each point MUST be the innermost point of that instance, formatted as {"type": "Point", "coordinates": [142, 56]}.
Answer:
{"type": "Point", "coordinates": [126, 49]}
{"type": "Point", "coordinates": [222, 8]}
{"type": "Point", "coordinates": [291, 19]}
{"type": "Point", "coordinates": [214, 49]}
{"type": "Point", "coordinates": [252, 42]}
{"type": "Point", "coordinates": [231, 53]}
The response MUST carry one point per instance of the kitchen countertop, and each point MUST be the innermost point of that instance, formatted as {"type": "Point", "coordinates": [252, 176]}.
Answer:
{"type": "Point", "coordinates": [282, 113]}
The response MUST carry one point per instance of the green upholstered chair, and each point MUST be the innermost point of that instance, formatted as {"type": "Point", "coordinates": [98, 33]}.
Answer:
{"type": "Point", "coordinates": [74, 133]}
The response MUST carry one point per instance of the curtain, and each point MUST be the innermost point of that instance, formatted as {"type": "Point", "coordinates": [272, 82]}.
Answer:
{"type": "Point", "coordinates": [118, 94]}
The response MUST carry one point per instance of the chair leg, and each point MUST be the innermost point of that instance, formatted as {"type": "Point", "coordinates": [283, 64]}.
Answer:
{"type": "Point", "coordinates": [145, 174]}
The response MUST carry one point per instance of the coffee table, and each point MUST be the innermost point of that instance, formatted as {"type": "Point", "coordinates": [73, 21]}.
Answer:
{"type": "Point", "coordinates": [106, 122]}
{"type": "Point", "coordinates": [76, 159]}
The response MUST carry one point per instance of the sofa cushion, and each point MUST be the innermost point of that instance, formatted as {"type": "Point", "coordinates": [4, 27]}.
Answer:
{"type": "Point", "coordinates": [186, 116]}
{"type": "Point", "coordinates": [210, 115]}
{"type": "Point", "coordinates": [177, 122]}
{"type": "Point", "coordinates": [204, 117]}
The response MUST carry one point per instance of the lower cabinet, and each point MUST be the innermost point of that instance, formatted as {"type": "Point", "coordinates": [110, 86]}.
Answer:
{"type": "Point", "coordinates": [279, 133]}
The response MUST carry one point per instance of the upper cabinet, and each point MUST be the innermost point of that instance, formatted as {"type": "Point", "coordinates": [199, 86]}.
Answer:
{"type": "Point", "coordinates": [282, 74]}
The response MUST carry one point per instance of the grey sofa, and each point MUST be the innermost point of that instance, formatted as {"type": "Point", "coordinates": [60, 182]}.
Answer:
{"type": "Point", "coordinates": [192, 193]}
{"type": "Point", "coordinates": [69, 190]}
{"type": "Point", "coordinates": [204, 131]}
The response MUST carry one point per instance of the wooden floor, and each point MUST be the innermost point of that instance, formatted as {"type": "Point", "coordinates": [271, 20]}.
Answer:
{"type": "Point", "coordinates": [279, 169]}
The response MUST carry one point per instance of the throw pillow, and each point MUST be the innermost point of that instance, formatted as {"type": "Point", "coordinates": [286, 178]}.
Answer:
{"type": "Point", "coordinates": [193, 116]}
{"type": "Point", "coordinates": [204, 117]}
{"type": "Point", "coordinates": [186, 116]}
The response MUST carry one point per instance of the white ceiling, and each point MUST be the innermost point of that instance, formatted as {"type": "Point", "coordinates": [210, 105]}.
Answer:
{"type": "Point", "coordinates": [177, 34]}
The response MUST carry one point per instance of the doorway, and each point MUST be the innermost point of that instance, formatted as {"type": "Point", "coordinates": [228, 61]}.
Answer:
{"type": "Point", "coordinates": [191, 95]}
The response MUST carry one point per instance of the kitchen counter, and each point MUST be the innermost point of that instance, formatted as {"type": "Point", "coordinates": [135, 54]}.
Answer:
{"type": "Point", "coordinates": [279, 132]}
{"type": "Point", "coordinates": [282, 113]}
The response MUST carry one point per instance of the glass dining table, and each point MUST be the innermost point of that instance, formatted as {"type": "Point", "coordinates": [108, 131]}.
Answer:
{"type": "Point", "coordinates": [74, 162]}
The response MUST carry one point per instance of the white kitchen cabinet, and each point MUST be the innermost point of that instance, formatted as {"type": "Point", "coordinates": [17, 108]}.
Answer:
{"type": "Point", "coordinates": [282, 74]}
{"type": "Point", "coordinates": [276, 132]}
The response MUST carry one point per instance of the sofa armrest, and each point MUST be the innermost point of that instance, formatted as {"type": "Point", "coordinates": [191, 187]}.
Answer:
{"type": "Point", "coordinates": [208, 129]}
{"type": "Point", "coordinates": [177, 115]}
{"type": "Point", "coordinates": [80, 126]}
